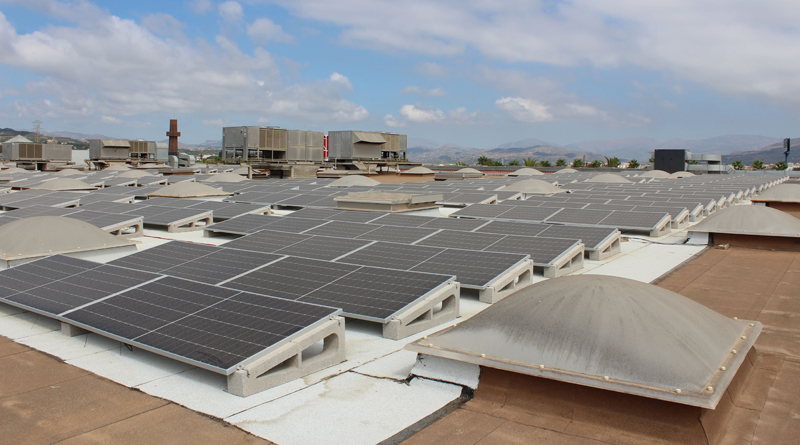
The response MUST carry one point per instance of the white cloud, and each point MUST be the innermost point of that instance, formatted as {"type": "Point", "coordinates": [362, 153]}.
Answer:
{"type": "Point", "coordinates": [162, 24]}
{"type": "Point", "coordinates": [421, 114]}
{"type": "Point", "coordinates": [216, 122]}
{"type": "Point", "coordinates": [524, 110]}
{"type": "Point", "coordinates": [110, 120]}
{"type": "Point", "coordinates": [393, 122]}
{"type": "Point", "coordinates": [734, 47]}
{"type": "Point", "coordinates": [263, 31]}
{"type": "Point", "coordinates": [432, 69]}
{"type": "Point", "coordinates": [435, 92]}
{"type": "Point", "coordinates": [108, 66]}
{"type": "Point", "coordinates": [342, 80]}
{"type": "Point", "coordinates": [200, 6]}
{"type": "Point", "coordinates": [231, 12]}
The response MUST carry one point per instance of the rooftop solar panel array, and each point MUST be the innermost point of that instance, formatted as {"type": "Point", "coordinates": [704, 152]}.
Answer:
{"type": "Point", "coordinates": [209, 326]}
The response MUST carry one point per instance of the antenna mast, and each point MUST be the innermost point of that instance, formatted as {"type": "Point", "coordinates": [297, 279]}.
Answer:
{"type": "Point", "coordinates": [37, 128]}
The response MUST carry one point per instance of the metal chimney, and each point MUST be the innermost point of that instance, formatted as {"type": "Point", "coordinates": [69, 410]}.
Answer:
{"type": "Point", "coordinates": [173, 134]}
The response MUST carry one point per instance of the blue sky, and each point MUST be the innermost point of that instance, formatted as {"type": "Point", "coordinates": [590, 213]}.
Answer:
{"type": "Point", "coordinates": [474, 73]}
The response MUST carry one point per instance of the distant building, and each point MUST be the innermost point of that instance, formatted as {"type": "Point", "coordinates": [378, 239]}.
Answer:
{"type": "Point", "coordinates": [124, 150]}
{"type": "Point", "coordinates": [271, 144]}
{"type": "Point", "coordinates": [366, 145]}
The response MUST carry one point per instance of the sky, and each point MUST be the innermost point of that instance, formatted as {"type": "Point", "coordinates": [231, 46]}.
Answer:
{"type": "Point", "coordinates": [473, 73]}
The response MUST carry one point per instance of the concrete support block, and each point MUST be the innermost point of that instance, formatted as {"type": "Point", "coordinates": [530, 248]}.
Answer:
{"type": "Point", "coordinates": [72, 331]}
{"type": "Point", "coordinates": [570, 261]}
{"type": "Point", "coordinates": [438, 306]}
{"type": "Point", "coordinates": [288, 362]}
{"type": "Point", "coordinates": [511, 281]}
{"type": "Point", "coordinates": [609, 247]}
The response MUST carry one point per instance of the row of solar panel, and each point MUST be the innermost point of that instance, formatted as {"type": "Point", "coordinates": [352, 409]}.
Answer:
{"type": "Point", "coordinates": [212, 326]}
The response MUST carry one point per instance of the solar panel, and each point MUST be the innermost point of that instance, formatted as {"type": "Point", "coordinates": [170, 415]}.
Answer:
{"type": "Point", "coordinates": [57, 284]}
{"type": "Point", "coordinates": [295, 225]}
{"type": "Point", "coordinates": [514, 228]}
{"type": "Point", "coordinates": [314, 213]}
{"type": "Point", "coordinates": [528, 213]}
{"type": "Point", "coordinates": [168, 202]}
{"type": "Point", "coordinates": [591, 236]}
{"type": "Point", "coordinates": [108, 207]}
{"type": "Point", "coordinates": [101, 219]}
{"type": "Point", "coordinates": [156, 259]}
{"type": "Point", "coordinates": [323, 247]}
{"type": "Point", "coordinates": [482, 211]}
{"type": "Point", "coordinates": [211, 327]}
{"type": "Point", "coordinates": [461, 240]}
{"type": "Point", "coordinates": [342, 229]}
{"type": "Point", "coordinates": [266, 241]}
{"type": "Point", "coordinates": [643, 220]}
{"type": "Point", "coordinates": [543, 251]}
{"type": "Point", "coordinates": [354, 216]}
{"type": "Point", "coordinates": [362, 292]}
{"type": "Point", "coordinates": [391, 255]}
{"type": "Point", "coordinates": [228, 210]}
{"type": "Point", "coordinates": [299, 200]}
{"type": "Point", "coordinates": [463, 224]}
{"type": "Point", "coordinates": [579, 216]}
{"type": "Point", "coordinates": [393, 219]}
{"type": "Point", "coordinates": [244, 224]}
{"type": "Point", "coordinates": [472, 268]}
{"type": "Point", "coordinates": [397, 234]}
{"type": "Point", "coordinates": [165, 216]}
{"type": "Point", "coordinates": [291, 277]}
{"type": "Point", "coordinates": [38, 211]}
{"type": "Point", "coordinates": [375, 294]}
{"type": "Point", "coordinates": [562, 205]}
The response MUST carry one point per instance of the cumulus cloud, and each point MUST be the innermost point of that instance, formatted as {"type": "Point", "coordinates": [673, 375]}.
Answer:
{"type": "Point", "coordinates": [341, 80]}
{"type": "Point", "coordinates": [734, 47]}
{"type": "Point", "coordinates": [200, 6]}
{"type": "Point", "coordinates": [435, 92]}
{"type": "Point", "coordinates": [110, 120]}
{"type": "Point", "coordinates": [422, 114]}
{"type": "Point", "coordinates": [432, 69]}
{"type": "Point", "coordinates": [524, 110]}
{"type": "Point", "coordinates": [393, 122]}
{"type": "Point", "coordinates": [231, 11]}
{"type": "Point", "coordinates": [108, 66]}
{"type": "Point", "coordinates": [162, 24]}
{"type": "Point", "coordinates": [263, 31]}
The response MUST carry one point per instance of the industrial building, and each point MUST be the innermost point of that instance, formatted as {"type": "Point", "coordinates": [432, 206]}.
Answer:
{"type": "Point", "coordinates": [25, 152]}
{"type": "Point", "coordinates": [509, 310]}
{"type": "Point", "coordinates": [138, 150]}
{"type": "Point", "coordinates": [271, 144]}
{"type": "Point", "coordinates": [366, 145]}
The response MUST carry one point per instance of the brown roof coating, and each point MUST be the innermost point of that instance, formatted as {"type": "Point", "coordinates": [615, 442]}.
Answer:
{"type": "Point", "coordinates": [760, 406]}
{"type": "Point", "coordinates": [43, 400]}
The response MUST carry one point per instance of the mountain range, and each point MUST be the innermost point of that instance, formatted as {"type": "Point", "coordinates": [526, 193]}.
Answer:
{"type": "Point", "coordinates": [639, 148]}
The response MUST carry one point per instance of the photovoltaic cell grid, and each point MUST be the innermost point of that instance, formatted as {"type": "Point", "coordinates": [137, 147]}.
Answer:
{"type": "Point", "coordinates": [57, 284]}
{"type": "Point", "coordinates": [362, 292]}
{"type": "Point", "coordinates": [472, 268]}
{"type": "Point", "coordinates": [208, 326]}
{"type": "Point", "coordinates": [204, 264]}
{"type": "Point", "coordinates": [214, 327]}
{"type": "Point", "coordinates": [243, 225]}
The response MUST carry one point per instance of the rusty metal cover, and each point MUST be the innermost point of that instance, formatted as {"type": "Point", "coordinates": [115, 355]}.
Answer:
{"type": "Point", "coordinates": [605, 332]}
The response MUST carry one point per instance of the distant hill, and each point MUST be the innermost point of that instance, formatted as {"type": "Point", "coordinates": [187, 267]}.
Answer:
{"type": "Point", "coordinates": [450, 154]}
{"type": "Point", "coordinates": [640, 147]}
{"type": "Point", "coordinates": [530, 142]}
{"type": "Point", "coordinates": [769, 155]}
{"type": "Point", "coordinates": [79, 136]}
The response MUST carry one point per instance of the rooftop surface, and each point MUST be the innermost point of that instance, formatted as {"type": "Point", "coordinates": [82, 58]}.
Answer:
{"type": "Point", "coordinates": [370, 395]}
